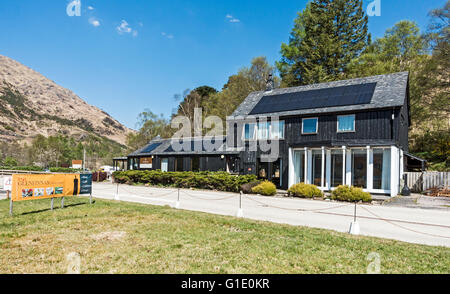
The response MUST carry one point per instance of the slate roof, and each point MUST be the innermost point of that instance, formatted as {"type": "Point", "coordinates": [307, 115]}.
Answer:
{"type": "Point", "coordinates": [390, 91]}
{"type": "Point", "coordinates": [164, 148]}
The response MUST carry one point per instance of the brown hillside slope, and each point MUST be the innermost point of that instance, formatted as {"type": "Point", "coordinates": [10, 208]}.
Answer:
{"type": "Point", "coordinates": [31, 104]}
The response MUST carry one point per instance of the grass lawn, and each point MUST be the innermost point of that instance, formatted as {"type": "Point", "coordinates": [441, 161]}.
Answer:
{"type": "Point", "coordinates": [114, 237]}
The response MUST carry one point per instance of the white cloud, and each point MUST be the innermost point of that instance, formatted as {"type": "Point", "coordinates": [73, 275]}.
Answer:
{"type": "Point", "coordinates": [232, 19]}
{"type": "Point", "coordinates": [124, 28]}
{"type": "Point", "coordinates": [168, 36]}
{"type": "Point", "coordinates": [95, 22]}
{"type": "Point", "coordinates": [90, 8]}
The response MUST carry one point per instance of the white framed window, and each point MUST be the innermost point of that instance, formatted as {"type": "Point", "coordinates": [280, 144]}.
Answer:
{"type": "Point", "coordinates": [310, 126]}
{"type": "Point", "coordinates": [346, 123]}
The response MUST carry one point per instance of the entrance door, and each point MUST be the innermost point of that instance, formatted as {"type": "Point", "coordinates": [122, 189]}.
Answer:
{"type": "Point", "coordinates": [165, 165]}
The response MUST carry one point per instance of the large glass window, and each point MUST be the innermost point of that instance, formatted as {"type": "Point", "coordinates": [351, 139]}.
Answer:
{"type": "Point", "coordinates": [346, 123]}
{"type": "Point", "coordinates": [317, 167]}
{"type": "Point", "coordinates": [337, 165]}
{"type": "Point", "coordinates": [299, 166]}
{"type": "Point", "coordinates": [250, 131]}
{"type": "Point", "coordinates": [359, 168]}
{"type": "Point", "coordinates": [382, 169]}
{"type": "Point", "coordinates": [263, 130]}
{"type": "Point", "coordinates": [277, 133]}
{"type": "Point", "coordinates": [310, 126]}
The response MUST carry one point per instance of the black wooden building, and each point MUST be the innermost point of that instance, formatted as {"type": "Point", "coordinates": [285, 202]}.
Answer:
{"type": "Point", "coordinates": [352, 132]}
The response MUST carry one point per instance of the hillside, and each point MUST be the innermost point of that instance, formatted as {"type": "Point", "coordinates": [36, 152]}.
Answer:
{"type": "Point", "coordinates": [31, 104]}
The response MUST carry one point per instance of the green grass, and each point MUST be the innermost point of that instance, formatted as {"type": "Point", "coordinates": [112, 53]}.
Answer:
{"type": "Point", "coordinates": [163, 240]}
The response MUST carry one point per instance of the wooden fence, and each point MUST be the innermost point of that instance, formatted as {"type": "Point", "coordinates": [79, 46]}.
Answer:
{"type": "Point", "coordinates": [419, 182]}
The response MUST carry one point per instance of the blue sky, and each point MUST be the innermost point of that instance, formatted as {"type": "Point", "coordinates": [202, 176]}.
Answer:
{"type": "Point", "coordinates": [126, 55]}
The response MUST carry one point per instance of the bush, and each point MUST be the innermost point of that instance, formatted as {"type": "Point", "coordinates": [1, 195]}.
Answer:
{"type": "Point", "coordinates": [64, 170]}
{"type": "Point", "coordinates": [247, 188]}
{"type": "Point", "coordinates": [10, 161]}
{"type": "Point", "coordinates": [305, 191]}
{"type": "Point", "coordinates": [265, 188]}
{"type": "Point", "coordinates": [220, 181]}
{"type": "Point", "coordinates": [353, 194]}
{"type": "Point", "coordinates": [22, 168]}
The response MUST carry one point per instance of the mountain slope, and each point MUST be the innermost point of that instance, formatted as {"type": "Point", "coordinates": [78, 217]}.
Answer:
{"type": "Point", "coordinates": [31, 104]}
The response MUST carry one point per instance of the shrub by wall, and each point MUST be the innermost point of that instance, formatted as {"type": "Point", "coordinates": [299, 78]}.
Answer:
{"type": "Point", "coordinates": [220, 181]}
{"type": "Point", "coordinates": [247, 188]}
{"type": "Point", "coordinates": [352, 194]}
{"type": "Point", "coordinates": [265, 188]}
{"type": "Point", "coordinates": [305, 191]}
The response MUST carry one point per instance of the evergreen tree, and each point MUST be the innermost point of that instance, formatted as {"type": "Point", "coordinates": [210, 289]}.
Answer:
{"type": "Point", "coordinates": [327, 35]}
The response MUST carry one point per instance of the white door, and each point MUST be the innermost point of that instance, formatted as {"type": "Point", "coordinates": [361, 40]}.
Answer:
{"type": "Point", "coordinates": [165, 165]}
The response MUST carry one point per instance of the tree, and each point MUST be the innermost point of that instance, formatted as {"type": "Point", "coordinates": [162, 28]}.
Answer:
{"type": "Point", "coordinates": [150, 126]}
{"type": "Point", "coordinates": [239, 86]}
{"type": "Point", "coordinates": [326, 36]}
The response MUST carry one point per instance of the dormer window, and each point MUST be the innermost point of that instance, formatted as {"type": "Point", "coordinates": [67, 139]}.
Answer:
{"type": "Point", "coordinates": [346, 123]}
{"type": "Point", "coordinates": [310, 126]}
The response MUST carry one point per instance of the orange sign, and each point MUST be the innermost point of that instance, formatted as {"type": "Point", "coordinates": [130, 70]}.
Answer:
{"type": "Point", "coordinates": [33, 187]}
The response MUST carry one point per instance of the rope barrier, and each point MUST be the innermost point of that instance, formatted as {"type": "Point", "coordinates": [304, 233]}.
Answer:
{"type": "Point", "coordinates": [148, 194]}
{"type": "Point", "coordinates": [376, 217]}
{"type": "Point", "coordinates": [400, 226]}
{"type": "Point", "coordinates": [297, 209]}
{"type": "Point", "coordinates": [218, 199]}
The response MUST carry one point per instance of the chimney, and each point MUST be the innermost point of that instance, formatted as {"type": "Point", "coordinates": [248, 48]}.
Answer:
{"type": "Point", "coordinates": [269, 83]}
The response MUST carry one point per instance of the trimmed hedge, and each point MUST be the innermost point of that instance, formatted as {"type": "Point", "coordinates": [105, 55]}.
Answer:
{"type": "Point", "coordinates": [305, 191]}
{"type": "Point", "coordinates": [64, 170]}
{"type": "Point", "coordinates": [352, 194]}
{"type": "Point", "coordinates": [266, 188]}
{"type": "Point", "coordinates": [22, 168]}
{"type": "Point", "coordinates": [220, 181]}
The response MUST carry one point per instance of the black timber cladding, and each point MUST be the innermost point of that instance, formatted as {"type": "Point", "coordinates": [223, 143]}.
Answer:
{"type": "Point", "coordinates": [321, 98]}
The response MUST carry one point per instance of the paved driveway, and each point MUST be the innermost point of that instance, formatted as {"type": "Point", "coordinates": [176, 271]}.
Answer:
{"type": "Point", "coordinates": [431, 227]}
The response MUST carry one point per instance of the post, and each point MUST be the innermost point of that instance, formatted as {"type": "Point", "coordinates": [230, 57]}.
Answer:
{"type": "Point", "coordinates": [177, 204]}
{"type": "Point", "coordinates": [10, 206]}
{"type": "Point", "coordinates": [51, 204]}
{"type": "Point", "coordinates": [354, 226]}
{"type": "Point", "coordinates": [117, 193]}
{"type": "Point", "coordinates": [62, 202]}
{"type": "Point", "coordinates": [7, 194]}
{"type": "Point", "coordinates": [240, 212]}
{"type": "Point", "coordinates": [90, 198]}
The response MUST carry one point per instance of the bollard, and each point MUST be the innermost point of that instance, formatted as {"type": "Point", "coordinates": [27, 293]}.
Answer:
{"type": "Point", "coordinates": [51, 204]}
{"type": "Point", "coordinates": [354, 226]}
{"type": "Point", "coordinates": [116, 197]}
{"type": "Point", "coordinates": [62, 202]}
{"type": "Point", "coordinates": [240, 212]}
{"type": "Point", "coordinates": [177, 204]}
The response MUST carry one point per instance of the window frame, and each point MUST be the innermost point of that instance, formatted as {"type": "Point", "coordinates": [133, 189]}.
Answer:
{"type": "Point", "coordinates": [281, 130]}
{"type": "Point", "coordinates": [317, 125]}
{"type": "Point", "coordinates": [354, 123]}
{"type": "Point", "coordinates": [255, 132]}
